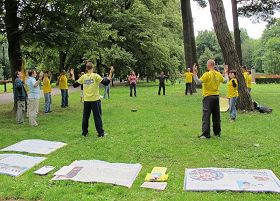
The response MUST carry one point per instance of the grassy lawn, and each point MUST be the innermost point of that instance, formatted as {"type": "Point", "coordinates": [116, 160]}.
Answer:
{"type": "Point", "coordinates": [9, 88]}
{"type": "Point", "coordinates": [162, 133]}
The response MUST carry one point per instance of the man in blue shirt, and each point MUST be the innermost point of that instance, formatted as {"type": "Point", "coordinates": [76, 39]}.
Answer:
{"type": "Point", "coordinates": [33, 96]}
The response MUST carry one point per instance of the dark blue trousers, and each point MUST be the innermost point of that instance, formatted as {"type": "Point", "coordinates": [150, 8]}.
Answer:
{"type": "Point", "coordinates": [95, 107]}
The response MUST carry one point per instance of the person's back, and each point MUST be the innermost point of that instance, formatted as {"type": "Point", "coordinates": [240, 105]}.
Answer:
{"type": "Point", "coordinates": [33, 92]}
{"type": "Point", "coordinates": [90, 83]}
{"type": "Point", "coordinates": [46, 85]}
{"type": "Point", "coordinates": [63, 82]}
{"type": "Point", "coordinates": [211, 83]}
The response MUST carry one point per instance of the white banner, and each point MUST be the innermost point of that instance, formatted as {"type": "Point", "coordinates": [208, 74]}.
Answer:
{"type": "Point", "coordinates": [231, 179]}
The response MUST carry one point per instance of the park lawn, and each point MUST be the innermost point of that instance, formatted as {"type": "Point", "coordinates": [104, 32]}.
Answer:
{"type": "Point", "coordinates": [9, 88]}
{"type": "Point", "coordinates": [163, 132]}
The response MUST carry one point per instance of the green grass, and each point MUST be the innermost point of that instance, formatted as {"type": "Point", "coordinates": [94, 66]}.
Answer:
{"type": "Point", "coordinates": [9, 88]}
{"type": "Point", "coordinates": [162, 133]}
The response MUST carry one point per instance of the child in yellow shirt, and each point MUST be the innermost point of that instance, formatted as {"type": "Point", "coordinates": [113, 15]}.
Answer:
{"type": "Point", "coordinates": [232, 94]}
{"type": "Point", "coordinates": [47, 92]}
{"type": "Point", "coordinates": [63, 86]}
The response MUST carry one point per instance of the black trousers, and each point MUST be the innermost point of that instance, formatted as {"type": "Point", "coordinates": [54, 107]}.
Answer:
{"type": "Point", "coordinates": [211, 106]}
{"type": "Point", "coordinates": [95, 107]}
{"type": "Point", "coordinates": [161, 85]}
{"type": "Point", "coordinates": [133, 86]}
{"type": "Point", "coordinates": [188, 87]}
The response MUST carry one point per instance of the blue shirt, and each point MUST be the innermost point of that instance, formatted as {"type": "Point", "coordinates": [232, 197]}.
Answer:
{"type": "Point", "coordinates": [34, 92]}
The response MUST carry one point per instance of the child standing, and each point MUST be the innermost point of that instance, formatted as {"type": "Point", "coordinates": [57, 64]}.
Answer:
{"type": "Point", "coordinates": [132, 78]}
{"type": "Point", "coordinates": [63, 86]}
{"type": "Point", "coordinates": [47, 92]}
{"type": "Point", "coordinates": [189, 78]}
{"type": "Point", "coordinates": [107, 87]}
{"type": "Point", "coordinates": [162, 79]}
{"type": "Point", "coordinates": [232, 94]}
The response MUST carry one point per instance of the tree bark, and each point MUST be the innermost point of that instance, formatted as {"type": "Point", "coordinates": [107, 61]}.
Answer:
{"type": "Point", "coordinates": [62, 60]}
{"type": "Point", "coordinates": [236, 29]}
{"type": "Point", "coordinates": [229, 53]}
{"type": "Point", "coordinates": [189, 37]}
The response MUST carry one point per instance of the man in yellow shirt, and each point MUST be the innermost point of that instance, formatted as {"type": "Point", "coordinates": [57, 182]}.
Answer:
{"type": "Point", "coordinates": [47, 92]}
{"type": "Point", "coordinates": [211, 106]}
{"type": "Point", "coordinates": [188, 78]}
{"type": "Point", "coordinates": [90, 82]}
{"type": "Point", "coordinates": [232, 94]}
{"type": "Point", "coordinates": [63, 86]}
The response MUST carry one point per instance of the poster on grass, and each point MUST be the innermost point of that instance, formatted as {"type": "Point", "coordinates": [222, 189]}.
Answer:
{"type": "Point", "coordinates": [17, 164]}
{"type": "Point", "coordinates": [231, 179]}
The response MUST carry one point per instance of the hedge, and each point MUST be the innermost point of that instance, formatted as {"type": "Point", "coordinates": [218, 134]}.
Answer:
{"type": "Point", "coordinates": [267, 80]}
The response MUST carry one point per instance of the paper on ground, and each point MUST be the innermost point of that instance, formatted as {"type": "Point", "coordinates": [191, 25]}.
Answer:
{"type": "Point", "coordinates": [224, 179]}
{"type": "Point", "coordinates": [17, 164]}
{"type": "Point", "coordinates": [35, 146]}
{"type": "Point", "coordinates": [100, 171]}
{"type": "Point", "coordinates": [44, 170]}
{"type": "Point", "coordinates": [157, 174]}
{"type": "Point", "coordinates": [224, 104]}
{"type": "Point", "coordinates": [155, 185]}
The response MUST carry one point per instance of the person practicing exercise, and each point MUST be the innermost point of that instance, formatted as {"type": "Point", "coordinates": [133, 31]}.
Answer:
{"type": "Point", "coordinates": [90, 82]}
{"type": "Point", "coordinates": [162, 79]}
{"type": "Point", "coordinates": [189, 78]}
{"type": "Point", "coordinates": [20, 97]}
{"type": "Point", "coordinates": [132, 78]}
{"type": "Point", "coordinates": [232, 94]}
{"type": "Point", "coordinates": [211, 105]}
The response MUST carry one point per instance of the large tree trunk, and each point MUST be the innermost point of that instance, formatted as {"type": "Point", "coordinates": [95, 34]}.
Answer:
{"type": "Point", "coordinates": [189, 37]}
{"type": "Point", "coordinates": [62, 60]}
{"type": "Point", "coordinates": [13, 36]}
{"type": "Point", "coordinates": [236, 29]}
{"type": "Point", "coordinates": [229, 52]}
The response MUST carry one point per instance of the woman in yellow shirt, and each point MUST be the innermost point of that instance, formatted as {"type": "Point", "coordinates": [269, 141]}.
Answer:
{"type": "Point", "coordinates": [232, 94]}
{"type": "Point", "coordinates": [47, 91]}
{"type": "Point", "coordinates": [63, 86]}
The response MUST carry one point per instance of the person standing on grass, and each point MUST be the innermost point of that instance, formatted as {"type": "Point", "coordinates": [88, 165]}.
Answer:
{"type": "Point", "coordinates": [63, 86]}
{"type": "Point", "coordinates": [162, 79]}
{"type": "Point", "coordinates": [211, 105]}
{"type": "Point", "coordinates": [232, 94]}
{"type": "Point", "coordinates": [249, 83]}
{"type": "Point", "coordinates": [107, 88]}
{"type": "Point", "coordinates": [20, 97]}
{"type": "Point", "coordinates": [188, 78]}
{"type": "Point", "coordinates": [132, 78]}
{"type": "Point", "coordinates": [47, 90]}
{"type": "Point", "coordinates": [245, 75]}
{"type": "Point", "coordinates": [92, 101]}
{"type": "Point", "coordinates": [82, 88]}
{"type": "Point", "coordinates": [33, 96]}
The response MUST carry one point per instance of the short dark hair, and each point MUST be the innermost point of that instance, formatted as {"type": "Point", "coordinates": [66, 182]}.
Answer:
{"type": "Point", "coordinates": [244, 67]}
{"type": "Point", "coordinates": [89, 65]}
{"type": "Point", "coordinates": [30, 72]}
{"type": "Point", "coordinates": [233, 71]}
{"type": "Point", "coordinates": [16, 73]}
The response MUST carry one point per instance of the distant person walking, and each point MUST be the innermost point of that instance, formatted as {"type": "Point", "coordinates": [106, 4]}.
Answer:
{"type": "Point", "coordinates": [132, 78]}
{"type": "Point", "coordinates": [211, 106]}
{"type": "Point", "coordinates": [20, 97]}
{"type": "Point", "coordinates": [63, 86]}
{"type": "Point", "coordinates": [33, 96]}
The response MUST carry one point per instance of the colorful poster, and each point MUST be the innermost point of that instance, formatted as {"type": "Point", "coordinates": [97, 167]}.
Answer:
{"type": "Point", "coordinates": [35, 146]}
{"type": "Point", "coordinates": [231, 179]}
{"type": "Point", "coordinates": [17, 164]}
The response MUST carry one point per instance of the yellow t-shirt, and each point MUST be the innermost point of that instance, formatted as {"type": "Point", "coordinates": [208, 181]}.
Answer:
{"type": "Point", "coordinates": [90, 82]}
{"type": "Point", "coordinates": [246, 76]}
{"type": "Point", "coordinates": [189, 77]}
{"type": "Point", "coordinates": [232, 91]}
{"type": "Point", "coordinates": [211, 83]}
{"type": "Point", "coordinates": [249, 83]}
{"type": "Point", "coordinates": [63, 82]}
{"type": "Point", "coordinates": [47, 85]}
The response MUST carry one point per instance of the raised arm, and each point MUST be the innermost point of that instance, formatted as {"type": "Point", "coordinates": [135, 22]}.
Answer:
{"type": "Point", "coordinates": [195, 77]}
{"type": "Point", "coordinates": [72, 76]}
{"type": "Point", "coordinates": [106, 82]}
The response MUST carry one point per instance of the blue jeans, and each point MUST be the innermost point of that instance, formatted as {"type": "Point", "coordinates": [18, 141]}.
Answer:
{"type": "Point", "coordinates": [232, 107]}
{"type": "Point", "coordinates": [64, 97]}
{"type": "Point", "coordinates": [48, 102]}
{"type": "Point", "coordinates": [107, 91]}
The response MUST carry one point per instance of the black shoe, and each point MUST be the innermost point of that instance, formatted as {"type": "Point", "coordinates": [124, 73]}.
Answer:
{"type": "Point", "coordinates": [85, 134]}
{"type": "Point", "coordinates": [217, 135]}
{"type": "Point", "coordinates": [103, 135]}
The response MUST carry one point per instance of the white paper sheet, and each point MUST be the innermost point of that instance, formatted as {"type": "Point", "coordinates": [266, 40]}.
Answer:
{"type": "Point", "coordinates": [223, 179]}
{"type": "Point", "coordinates": [44, 170]}
{"type": "Point", "coordinates": [101, 171]}
{"type": "Point", "coordinates": [155, 185]}
{"type": "Point", "coordinates": [17, 164]}
{"type": "Point", "coordinates": [35, 146]}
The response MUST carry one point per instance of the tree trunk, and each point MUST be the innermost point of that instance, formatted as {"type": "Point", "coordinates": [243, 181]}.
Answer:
{"type": "Point", "coordinates": [13, 36]}
{"type": "Point", "coordinates": [189, 37]}
{"type": "Point", "coordinates": [62, 60]}
{"type": "Point", "coordinates": [99, 65]}
{"type": "Point", "coordinates": [237, 39]}
{"type": "Point", "coordinates": [229, 53]}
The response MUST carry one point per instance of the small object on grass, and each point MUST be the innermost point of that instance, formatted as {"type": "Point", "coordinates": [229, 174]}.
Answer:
{"type": "Point", "coordinates": [44, 170]}
{"type": "Point", "coordinates": [134, 110]}
{"type": "Point", "coordinates": [155, 185]}
{"type": "Point", "coordinates": [256, 145]}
